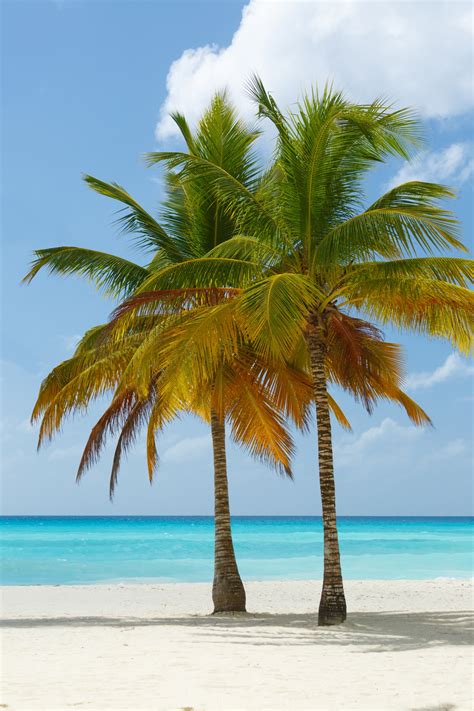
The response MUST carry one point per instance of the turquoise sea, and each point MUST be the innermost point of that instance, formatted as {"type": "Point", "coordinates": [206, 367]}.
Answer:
{"type": "Point", "coordinates": [68, 550]}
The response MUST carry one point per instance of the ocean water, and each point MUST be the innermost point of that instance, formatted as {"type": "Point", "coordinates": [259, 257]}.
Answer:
{"type": "Point", "coordinates": [81, 550]}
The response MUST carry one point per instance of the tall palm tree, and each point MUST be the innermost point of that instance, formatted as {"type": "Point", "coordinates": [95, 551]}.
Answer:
{"type": "Point", "coordinates": [313, 265]}
{"type": "Point", "coordinates": [192, 222]}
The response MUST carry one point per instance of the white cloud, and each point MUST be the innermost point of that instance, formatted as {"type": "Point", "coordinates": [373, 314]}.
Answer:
{"type": "Point", "coordinates": [453, 367]}
{"type": "Point", "coordinates": [453, 165]}
{"type": "Point", "coordinates": [417, 53]}
{"type": "Point", "coordinates": [59, 453]}
{"type": "Point", "coordinates": [188, 449]}
{"type": "Point", "coordinates": [391, 445]}
{"type": "Point", "coordinates": [454, 448]}
{"type": "Point", "coordinates": [27, 427]}
{"type": "Point", "coordinates": [12, 429]}
{"type": "Point", "coordinates": [374, 441]}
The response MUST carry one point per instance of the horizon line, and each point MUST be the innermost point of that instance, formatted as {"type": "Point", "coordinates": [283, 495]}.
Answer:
{"type": "Point", "coordinates": [210, 516]}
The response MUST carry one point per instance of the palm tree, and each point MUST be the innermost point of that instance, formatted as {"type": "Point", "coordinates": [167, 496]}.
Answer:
{"type": "Point", "coordinates": [252, 398]}
{"type": "Point", "coordinates": [192, 223]}
{"type": "Point", "coordinates": [308, 255]}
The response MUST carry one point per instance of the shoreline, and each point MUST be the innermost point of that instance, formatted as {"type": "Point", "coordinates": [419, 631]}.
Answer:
{"type": "Point", "coordinates": [123, 582]}
{"type": "Point", "coordinates": [405, 645]}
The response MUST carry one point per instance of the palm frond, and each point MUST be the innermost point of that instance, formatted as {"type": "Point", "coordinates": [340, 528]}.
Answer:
{"type": "Point", "coordinates": [115, 276]}
{"type": "Point", "coordinates": [453, 270]}
{"type": "Point", "coordinates": [416, 413]}
{"type": "Point", "coordinates": [98, 378]}
{"type": "Point", "coordinates": [239, 202]}
{"type": "Point", "coordinates": [250, 249]}
{"type": "Point", "coordinates": [403, 220]}
{"type": "Point", "coordinates": [110, 421]}
{"type": "Point", "coordinates": [276, 310]}
{"type": "Point", "coordinates": [256, 423]}
{"type": "Point", "coordinates": [136, 419]}
{"type": "Point", "coordinates": [424, 306]}
{"type": "Point", "coordinates": [205, 272]}
{"type": "Point", "coordinates": [136, 221]}
{"type": "Point", "coordinates": [338, 413]}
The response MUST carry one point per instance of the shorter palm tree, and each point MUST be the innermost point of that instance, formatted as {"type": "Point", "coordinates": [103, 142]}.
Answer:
{"type": "Point", "coordinates": [252, 398]}
{"type": "Point", "coordinates": [192, 223]}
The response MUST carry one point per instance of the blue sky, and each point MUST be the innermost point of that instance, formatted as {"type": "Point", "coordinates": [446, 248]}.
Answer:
{"type": "Point", "coordinates": [86, 88]}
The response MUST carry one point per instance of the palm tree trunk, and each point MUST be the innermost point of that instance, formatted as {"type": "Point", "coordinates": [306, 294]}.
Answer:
{"type": "Point", "coordinates": [332, 607]}
{"type": "Point", "coordinates": [228, 593]}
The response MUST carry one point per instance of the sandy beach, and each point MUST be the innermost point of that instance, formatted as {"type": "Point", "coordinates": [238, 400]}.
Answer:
{"type": "Point", "coordinates": [406, 645]}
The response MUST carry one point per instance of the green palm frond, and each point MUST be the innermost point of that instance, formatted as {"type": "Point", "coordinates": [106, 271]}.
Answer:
{"type": "Point", "coordinates": [202, 273]}
{"type": "Point", "coordinates": [403, 220]}
{"type": "Point", "coordinates": [276, 310]}
{"type": "Point", "coordinates": [135, 220]}
{"type": "Point", "coordinates": [238, 201]}
{"type": "Point", "coordinates": [325, 148]}
{"type": "Point", "coordinates": [452, 270]}
{"type": "Point", "coordinates": [115, 276]}
{"type": "Point", "coordinates": [185, 130]}
{"type": "Point", "coordinates": [253, 250]}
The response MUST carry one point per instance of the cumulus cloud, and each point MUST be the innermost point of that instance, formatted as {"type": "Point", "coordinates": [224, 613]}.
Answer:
{"type": "Point", "coordinates": [453, 367]}
{"type": "Point", "coordinates": [390, 444]}
{"type": "Point", "coordinates": [374, 441]}
{"type": "Point", "coordinates": [454, 448]}
{"type": "Point", "coordinates": [417, 53]}
{"type": "Point", "coordinates": [187, 449]}
{"type": "Point", "coordinates": [60, 453]}
{"type": "Point", "coordinates": [452, 165]}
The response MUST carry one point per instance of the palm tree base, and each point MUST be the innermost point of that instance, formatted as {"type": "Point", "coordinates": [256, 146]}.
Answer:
{"type": "Point", "coordinates": [228, 595]}
{"type": "Point", "coordinates": [332, 608]}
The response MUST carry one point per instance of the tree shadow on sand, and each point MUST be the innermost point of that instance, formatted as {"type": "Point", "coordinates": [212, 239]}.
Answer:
{"type": "Point", "coordinates": [378, 631]}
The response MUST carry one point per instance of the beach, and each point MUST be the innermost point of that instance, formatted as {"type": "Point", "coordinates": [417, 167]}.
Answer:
{"type": "Point", "coordinates": [406, 645]}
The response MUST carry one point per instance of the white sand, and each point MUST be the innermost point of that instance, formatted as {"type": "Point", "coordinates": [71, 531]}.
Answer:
{"type": "Point", "coordinates": [404, 646]}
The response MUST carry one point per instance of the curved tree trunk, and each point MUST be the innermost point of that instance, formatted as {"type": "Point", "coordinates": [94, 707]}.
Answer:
{"type": "Point", "coordinates": [228, 593]}
{"type": "Point", "coordinates": [332, 607]}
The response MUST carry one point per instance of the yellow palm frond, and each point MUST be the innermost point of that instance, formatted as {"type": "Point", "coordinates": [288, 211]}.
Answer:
{"type": "Point", "coordinates": [426, 306]}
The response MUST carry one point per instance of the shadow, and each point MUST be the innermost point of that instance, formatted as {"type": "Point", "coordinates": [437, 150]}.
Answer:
{"type": "Point", "coordinates": [379, 631]}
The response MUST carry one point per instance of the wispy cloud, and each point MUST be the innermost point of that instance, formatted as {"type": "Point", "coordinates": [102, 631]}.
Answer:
{"type": "Point", "coordinates": [59, 453]}
{"type": "Point", "coordinates": [70, 342]}
{"type": "Point", "coordinates": [454, 448]}
{"type": "Point", "coordinates": [374, 441]}
{"type": "Point", "coordinates": [188, 449]}
{"type": "Point", "coordinates": [390, 445]}
{"type": "Point", "coordinates": [453, 165]}
{"type": "Point", "coordinates": [453, 367]}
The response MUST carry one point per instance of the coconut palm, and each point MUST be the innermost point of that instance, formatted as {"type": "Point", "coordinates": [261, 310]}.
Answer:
{"type": "Point", "coordinates": [192, 222]}
{"type": "Point", "coordinates": [251, 398]}
{"type": "Point", "coordinates": [315, 267]}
